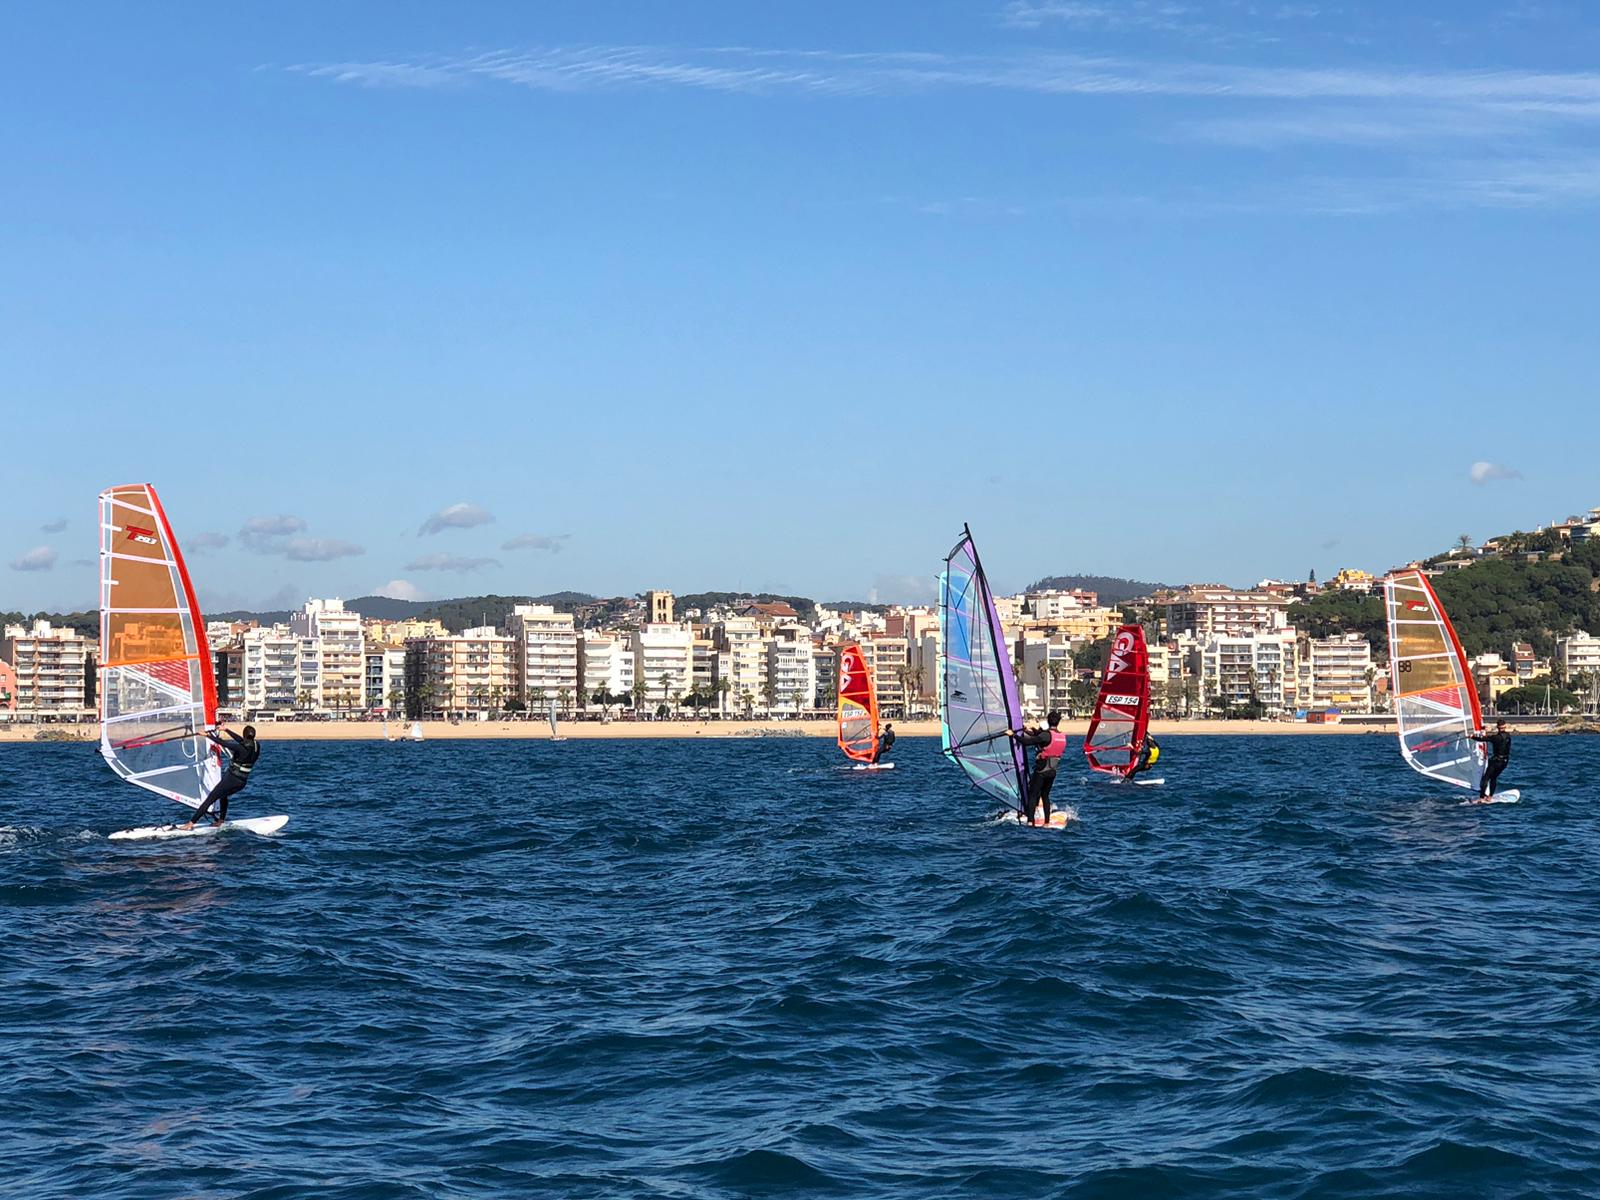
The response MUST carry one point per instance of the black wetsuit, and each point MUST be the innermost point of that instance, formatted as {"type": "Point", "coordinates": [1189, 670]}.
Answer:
{"type": "Point", "coordinates": [1145, 753]}
{"type": "Point", "coordinates": [1499, 744]}
{"type": "Point", "coordinates": [242, 755]}
{"type": "Point", "coordinates": [885, 741]}
{"type": "Point", "coordinates": [1043, 776]}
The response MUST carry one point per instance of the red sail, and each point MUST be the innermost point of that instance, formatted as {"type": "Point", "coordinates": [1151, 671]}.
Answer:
{"type": "Point", "coordinates": [1122, 709]}
{"type": "Point", "coordinates": [858, 705]}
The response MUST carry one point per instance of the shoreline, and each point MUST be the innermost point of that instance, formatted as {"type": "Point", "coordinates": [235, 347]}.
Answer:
{"type": "Point", "coordinates": [537, 731]}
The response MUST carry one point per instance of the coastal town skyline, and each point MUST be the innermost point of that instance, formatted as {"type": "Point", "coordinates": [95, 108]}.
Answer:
{"type": "Point", "coordinates": [283, 540]}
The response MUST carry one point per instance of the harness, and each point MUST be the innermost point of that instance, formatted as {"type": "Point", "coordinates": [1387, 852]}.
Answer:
{"type": "Point", "coordinates": [1057, 746]}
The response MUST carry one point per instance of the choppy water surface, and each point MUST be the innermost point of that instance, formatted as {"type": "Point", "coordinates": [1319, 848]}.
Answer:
{"type": "Point", "coordinates": [725, 969]}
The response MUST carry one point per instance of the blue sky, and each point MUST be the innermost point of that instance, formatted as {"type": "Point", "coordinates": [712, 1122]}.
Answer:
{"type": "Point", "coordinates": [443, 299]}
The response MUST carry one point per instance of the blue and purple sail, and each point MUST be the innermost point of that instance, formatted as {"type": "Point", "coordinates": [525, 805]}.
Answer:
{"type": "Point", "coordinates": [977, 687]}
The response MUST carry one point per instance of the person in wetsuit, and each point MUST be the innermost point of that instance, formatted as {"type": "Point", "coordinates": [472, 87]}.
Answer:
{"type": "Point", "coordinates": [242, 755]}
{"type": "Point", "coordinates": [1148, 755]}
{"type": "Point", "coordinates": [1051, 744]}
{"type": "Point", "coordinates": [885, 741]}
{"type": "Point", "coordinates": [1499, 743]}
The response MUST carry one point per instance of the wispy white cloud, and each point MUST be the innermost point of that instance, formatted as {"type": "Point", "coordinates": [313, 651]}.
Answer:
{"type": "Point", "coordinates": [1488, 472]}
{"type": "Point", "coordinates": [40, 558]}
{"type": "Point", "coordinates": [551, 542]}
{"type": "Point", "coordinates": [456, 516]}
{"type": "Point", "coordinates": [206, 540]}
{"type": "Point", "coordinates": [1436, 137]}
{"type": "Point", "coordinates": [310, 549]}
{"type": "Point", "coordinates": [450, 562]}
{"type": "Point", "coordinates": [59, 525]}
{"type": "Point", "coordinates": [265, 535]}
{"type": "Point", "coordinates": [282, 535]}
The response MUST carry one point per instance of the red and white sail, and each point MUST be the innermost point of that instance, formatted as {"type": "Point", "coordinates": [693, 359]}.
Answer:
{"type": "Point", "coordinates": [158, 695]}
{"type": "Point", "coordinates": [1122, 708]}
{"type": "Point", "coordinates": [858, 706]}
{"type": "Point", "coordinates": [1435, 701]}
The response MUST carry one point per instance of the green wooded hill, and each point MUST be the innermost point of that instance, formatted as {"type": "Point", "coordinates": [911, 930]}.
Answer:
{"type": "Point", "coordinates": [1112, 589]}
{"type": "Point", "coordinates": [1492, 603]}
{"type": "Point", "coordinates": [86, 623]}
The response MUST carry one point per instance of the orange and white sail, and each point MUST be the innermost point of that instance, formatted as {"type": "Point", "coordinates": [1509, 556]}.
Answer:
{"type": "Point", "coordinates": [858, 705]}
{"type": "Point", "coordinates": [1435, 700]}
{"type": "Point", "coordinates": [158, 694]}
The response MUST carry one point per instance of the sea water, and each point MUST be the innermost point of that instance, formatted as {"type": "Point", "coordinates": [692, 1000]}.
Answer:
{"type": "Point", "coordinates": [730, 969]}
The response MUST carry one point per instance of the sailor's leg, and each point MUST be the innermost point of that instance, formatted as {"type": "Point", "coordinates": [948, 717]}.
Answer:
{"type": "Point", "coordinates": [1047, 780]}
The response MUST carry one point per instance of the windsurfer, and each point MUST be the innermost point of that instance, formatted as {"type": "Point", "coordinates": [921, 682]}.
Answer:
{"type": "Point", "coordinates": [242, 754]}
{"type": "Point", "coordinates": [885, 741]}
{"type": "Point", "coordinates": [1499, 743]}
{"type": "Point", "coordinates": [1148, 755]}
{"type": "Point", "coordinates": [1051, 743]}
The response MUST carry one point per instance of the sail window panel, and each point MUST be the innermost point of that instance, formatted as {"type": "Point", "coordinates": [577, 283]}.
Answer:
{"type": "Point", "coordinates": [143, 585]}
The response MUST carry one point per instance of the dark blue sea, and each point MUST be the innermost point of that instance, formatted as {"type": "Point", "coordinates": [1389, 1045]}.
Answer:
{"type": "Point", "coordinates": [726, 969]}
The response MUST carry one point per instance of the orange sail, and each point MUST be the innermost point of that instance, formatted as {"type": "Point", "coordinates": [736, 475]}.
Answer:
{"type": "Point", "coordinates": [858, 706]}
{"type": "Point", "coordinates": [157, 692]}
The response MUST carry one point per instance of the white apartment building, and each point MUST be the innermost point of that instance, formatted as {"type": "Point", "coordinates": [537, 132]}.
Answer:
{"type": "Point", "coordinates": [1336, 672]}
{"type": "Point", "coordinates": [340, 651]}
{"type": "Point", "coordinates": [385, 678]}
{"type": "Point", "coordinates": [889, 659]}
{"type": "Point", "coordinates": [52, 665]}
{"type": "Point", "coordinates": [1259, 665]}
{"type": "Point", "coordinates": [742, 641]}
{"type": "Point", "coordinates": [1578, 654]}
{"type": "Point", "coordinates": [1050, 605]}
{"type": "Point", "coordinates": [791, 670]}
{"type": "Point", "coordinates": [546, 653]}
{"type": "Point", "coordinates": [470, 673]}
{"type": "Point", "coordinates": [270, 664]}
{"type": "Point", "coordinates": [1219, 611]}
{"type": "Point", "coordinates": [663, 661]}
{"type": "Point", "coordinates": [605, 664]}
{"type": "Point", "coordinates": [1045, 673]}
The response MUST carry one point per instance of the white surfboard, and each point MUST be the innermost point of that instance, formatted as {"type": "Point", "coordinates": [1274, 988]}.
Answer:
{"type": "Point", "coordinates": [873, 767]}
{"type": "Point", "coordinates": [1148, 782]}
{"type": "Point", "coordinates": [257, 825]}
{"type": "Point", "coordinates": [1509, 796]}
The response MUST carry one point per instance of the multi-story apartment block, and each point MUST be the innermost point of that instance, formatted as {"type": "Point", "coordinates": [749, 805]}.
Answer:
{"type": "Point", "coordinates": [270, 666]}
{"type": "Point", "coordinates": [1578, 655]}
{"type": "Point", "coordinates": [1045, 606]}
{"type": "Point", "coordinates": [385, 679]}
{"type": "Point", "coordinates": [1044, 673]}
{"type": "Point", "coordinates": [1336, 672]}
{"type": "Point", "coordinates": [741, 640]}
{"type": "Point", "coordinates": [227, 667]}
{"type": "Point", "coordinates": [8, 689]}
{"type": "Point", "coordinates": [470, 673]}
{"type": "Point", "coordinates": [663, 662]}
{"type": "Point", "coordinates": [52, 667]}
{"type": "Point", "coordinates": [1493, 677]}
{"type": "Point", "coordinates": [791, 672]}
{"type": "Point", "coordinates": [1523, 661]}
{"type": "Point", "coordinates": [547, 654]}
{"type": "Point", "coordinates": [825, 671]}
{"type": "Point", "coordinates": [1259, 667]}
{"type": "Point", "coordinates": [1212, 611]}
{"type": "Point", "coordinates": [340, 649]}
{"type": "Point", "coordinates": [605, 664]}
{"type": "Point", "coordinates": [889, 659]}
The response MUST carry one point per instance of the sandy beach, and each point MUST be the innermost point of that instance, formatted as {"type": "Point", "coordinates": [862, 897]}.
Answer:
{"type": "Point", "coordinates": [539, 731]}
